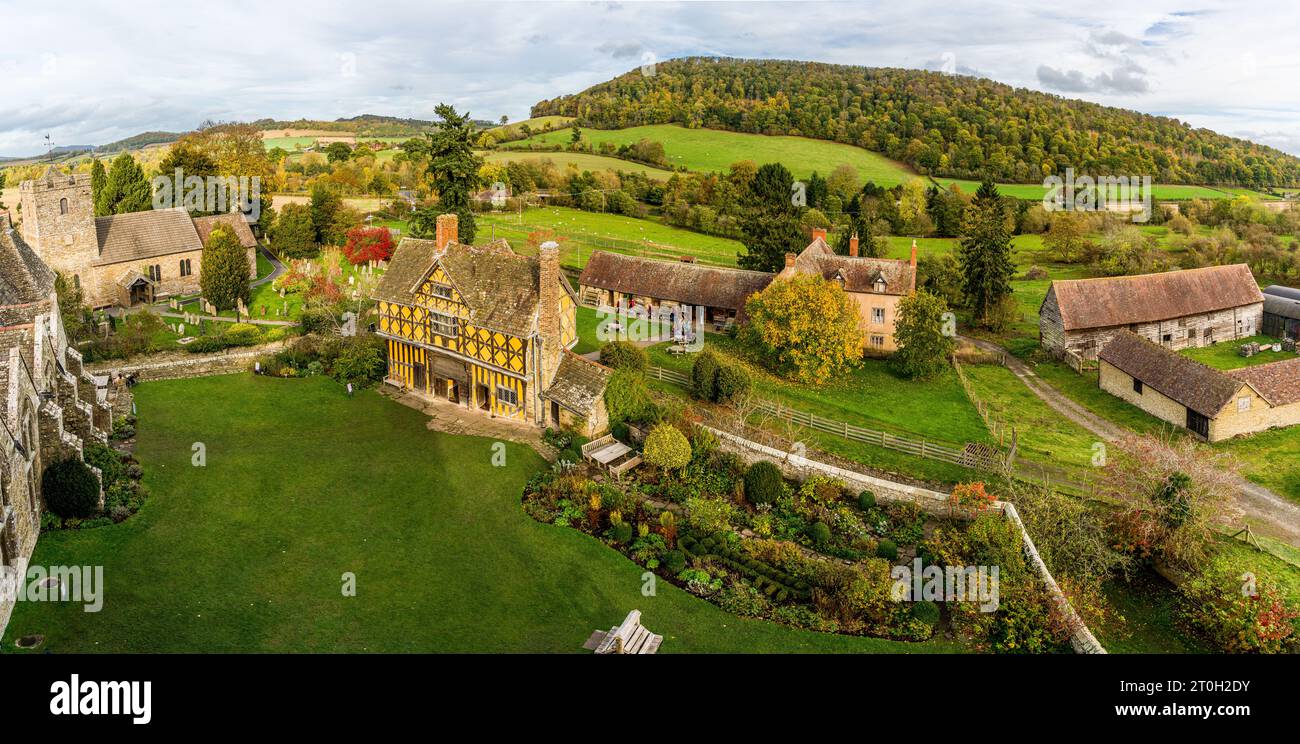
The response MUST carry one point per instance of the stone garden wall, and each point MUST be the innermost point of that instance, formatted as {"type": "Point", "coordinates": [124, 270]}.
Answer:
{"type": "Point", "coordinates": [932, 502]}
{"type": "Point", "coordinates": [172, 365]}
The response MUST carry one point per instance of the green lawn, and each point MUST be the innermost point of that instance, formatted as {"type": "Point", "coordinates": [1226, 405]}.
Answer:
{"type": "Point", "coordinates": [1043, 435]}
{"type": "Point", "coordinates": [536, 124]}
{"type": "Point", "coordinates": [1223, 355]}
{"type": "Point", "coordinates": [870, 396]}
{"type": "Point", "coordinates": [1269, 458]}
{"type": "Point", "coordinates": [591, 231]}
{"type": "Point", "coordinates": [580, 160]}
{"type": "Point", "coordinates": [715, 150]}
{"type": "Point", "coordinates": [304, 484]}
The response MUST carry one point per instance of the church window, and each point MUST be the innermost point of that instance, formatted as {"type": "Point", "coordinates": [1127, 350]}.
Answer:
{"type": "Point", "coordinates": [63, 205]}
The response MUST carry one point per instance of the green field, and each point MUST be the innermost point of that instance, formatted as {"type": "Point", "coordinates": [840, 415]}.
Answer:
{"type": "Point", "coordinates": [1224, 355]}
{"type": "Point", "coordinates": [580, 160]}
{"type": "Point", "coordinates": [1035, 191]}
{"type": "Point", "coordinates": [590, 231]}
{"type": "Point", "coordinates": [304, 485]}
{"type": "Point", "coordinates": [537, 123]}
{"type": "Point", "coordinates": [709, 150]}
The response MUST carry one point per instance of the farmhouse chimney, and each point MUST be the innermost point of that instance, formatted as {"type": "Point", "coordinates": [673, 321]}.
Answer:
{"type": "Point", "coordinates": [548, 314]}
{"type": "Point", "coordinates": [789, 260]}
{"type": "Point", "coordinates": [912, 263]}
{"type": "Point", "coordinates": [853, 245]}
{"type": "Point", "coordinates": [447, 229]}
{"type": "Point", "coordinates": [819, 232]}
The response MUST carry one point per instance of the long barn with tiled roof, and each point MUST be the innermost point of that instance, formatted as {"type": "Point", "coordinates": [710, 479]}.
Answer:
{"type": "Point", "coordinates": [1176, 309]}
{"type": "Point", "coordinates": [1211, 403]}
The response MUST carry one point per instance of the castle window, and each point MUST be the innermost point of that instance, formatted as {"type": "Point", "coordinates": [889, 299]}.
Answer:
{"type": "Point", "coordinates": [507, 396]}
{"type": "Point", "coordinates": [76, 280]}
{"type": "Point", "coordinates": [185, 267]}
{"type": "Point", "coordinates": [443, 325]}
{"type": "Point", "coordinates": [63, 205]}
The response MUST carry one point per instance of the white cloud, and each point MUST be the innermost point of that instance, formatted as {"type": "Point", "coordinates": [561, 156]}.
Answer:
{"type": "Point", "coordinates": [88, 72]}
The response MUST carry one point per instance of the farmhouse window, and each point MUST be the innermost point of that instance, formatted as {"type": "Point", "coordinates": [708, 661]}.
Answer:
{"type": "Point", "coordinates": [443, 325]}
{"type": "Point", "coordinates": [1168, 338]}
{"type": "Point", "coordinates": [877, 340]}
{"type": "Point", "coordinates": [877, 315]}
{"type": "Point", "coordinates": [508, 396]}
{"type": "Point", "coordinates": [1137, 386]}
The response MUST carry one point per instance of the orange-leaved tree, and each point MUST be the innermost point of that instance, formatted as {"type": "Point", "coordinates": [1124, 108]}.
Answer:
{"type": "Point", "coordinates": [805, 328]}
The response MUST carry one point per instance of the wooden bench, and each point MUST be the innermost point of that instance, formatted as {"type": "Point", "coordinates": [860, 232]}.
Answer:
{"type": "Point", "coordinates": [628, 638]}
{"type": "Point", "coordinates": [611, 454]}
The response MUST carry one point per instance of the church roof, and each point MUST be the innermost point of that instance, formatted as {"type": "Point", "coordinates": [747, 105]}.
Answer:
{"type": "Point", "coordinates": [234, 222]}
{"type": "Point", "coordinates": [139, 235]}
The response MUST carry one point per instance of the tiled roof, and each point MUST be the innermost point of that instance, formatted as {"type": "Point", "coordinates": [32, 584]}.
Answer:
{"type": "Point", "coordinates": [1146, 298]}
{"type": "Point", "coordinates": [498, 285]}
{"type": "Point", "coordinates": [1277, 382]}
{"type": "Point", "coordinates": [675, 281]}
{"type": "Point", "coordinates": [1196, 386]}
{"type": "Point", "coordinates": [236, 223]}
{"type": "Point", "coordinates": [858, 273]}
{"type": "Point", "coordinates": [579, 384]}
{"type": "Point", "coordinates": [24, 277]}
{"type": "Point", "coordinates": [139, 235]}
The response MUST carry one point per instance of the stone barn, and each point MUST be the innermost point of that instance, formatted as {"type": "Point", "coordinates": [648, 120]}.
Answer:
{"type": "Point", "coordinates": [1176, 309]}
{"type": "Point", "coordinates": [611, 278]}
{"type": "Point", "coordinates": [1282, 312]}
{"type": "Point", "coordinates": [1211, 403]}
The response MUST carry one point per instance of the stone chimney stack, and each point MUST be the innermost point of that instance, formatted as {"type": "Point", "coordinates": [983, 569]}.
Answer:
{"type": "Point", "coordinates": [819, 232]}
{"type": "Point", "coordinates": [912, 263]}
{"type": "Point", "coordinates": [548, 313]}
{"type": "Point", "coordinates": [789, 260]}
{"type": "Point", "coordinates": [853, 245]}
{"type": "Point", "coordinates": [448, 226]}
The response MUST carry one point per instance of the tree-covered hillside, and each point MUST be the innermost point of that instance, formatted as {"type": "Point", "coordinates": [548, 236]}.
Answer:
{"type": "Point", "coordinates": [946, 125]}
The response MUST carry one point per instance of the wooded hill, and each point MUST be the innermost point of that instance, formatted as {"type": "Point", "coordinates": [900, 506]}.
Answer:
{"type": "Point", "coordinates": [940, 124]}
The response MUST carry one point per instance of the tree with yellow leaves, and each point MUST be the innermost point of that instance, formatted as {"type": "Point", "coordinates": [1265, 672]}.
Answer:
{"type": "Point", "coordinates": [805, 328]}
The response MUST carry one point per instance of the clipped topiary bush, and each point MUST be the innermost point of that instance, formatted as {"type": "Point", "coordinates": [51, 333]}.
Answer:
{"type": "Point", "coordinates": [819, 533]}
{"type": "Point", "coordinates": [927, 612]}
{"type": "Point", "coordinates": [624, 355]}
{"type": "Point", "coordinates": [866, 500]}
{"type": "Point", "coordinates": [667, 448]}
{"type": "Point", "coordinates": [763, 483]}
{"type": "Point", "coordinates": [70, 489]}
{"type": "Point", "coordinates": [703, 374]}
{"type": "Point", "coordinates": [730, 383]}
{"type": "Point", "coordinates": [674, 561]}
{"type": "Point", "coordinates": [887, 549]}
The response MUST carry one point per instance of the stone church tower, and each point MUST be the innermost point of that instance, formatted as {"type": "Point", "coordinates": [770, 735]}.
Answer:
{"type": "Point", "coordinates": [59, 221]}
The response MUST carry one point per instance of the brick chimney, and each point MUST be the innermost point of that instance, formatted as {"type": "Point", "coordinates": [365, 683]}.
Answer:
{"type": "Point", "coordinates": [853, 244]}
{"type": "Point", "coordinates": [789, 260]}
{"type": "Point", "coordinates": [912, 263]}
{"type": "Point", "coordinates": [819, 232]}
{"type": "Point", "coordinates": [448, 226]}
{"type": "Point", "coordinates": [548, 311]}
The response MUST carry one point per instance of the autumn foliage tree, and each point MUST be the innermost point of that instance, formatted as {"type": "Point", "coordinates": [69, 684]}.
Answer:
{"type": "Point", "coordinates": [368, 244]}
{"type": "Point", "coordinates": [805, 328]}
{"type": "Point", "coordinates": [224, 268]}
{"type": "Point", "coordinates": [924, 344]}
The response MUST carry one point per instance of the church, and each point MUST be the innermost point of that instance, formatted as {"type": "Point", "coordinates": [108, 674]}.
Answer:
{"type": "Point", "coordinates": [120, 260]}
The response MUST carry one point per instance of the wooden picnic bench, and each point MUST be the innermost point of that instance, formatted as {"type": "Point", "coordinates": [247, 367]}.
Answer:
{"type": "Point", "coordinates": [611, 454]}
{"type": "Point", "coordinates": [630, 637]}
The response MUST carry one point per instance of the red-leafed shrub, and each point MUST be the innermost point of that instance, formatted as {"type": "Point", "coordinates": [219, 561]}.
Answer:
{"type": "Point", "coordinates": [368, 244]}
{"type": "Point", "coordinates": [324, 288]}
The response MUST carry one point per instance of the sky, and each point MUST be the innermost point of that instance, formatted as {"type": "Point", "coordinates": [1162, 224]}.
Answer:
{"type": "Point", "coordinates": [95, 72]}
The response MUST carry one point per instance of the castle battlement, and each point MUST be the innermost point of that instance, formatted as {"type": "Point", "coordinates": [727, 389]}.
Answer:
{"type": "Point", "coordinates": [54, 180]}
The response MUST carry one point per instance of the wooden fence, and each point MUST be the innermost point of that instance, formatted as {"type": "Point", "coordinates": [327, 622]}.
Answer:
{"type": "Point", "coordinates": [971, 455]}
{"type": "Point", "coordinates": [997, 428]}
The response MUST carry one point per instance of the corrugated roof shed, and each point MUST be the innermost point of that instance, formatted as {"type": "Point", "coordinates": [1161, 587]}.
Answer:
{"type": "Point", "coordinates": [1146, 298]}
